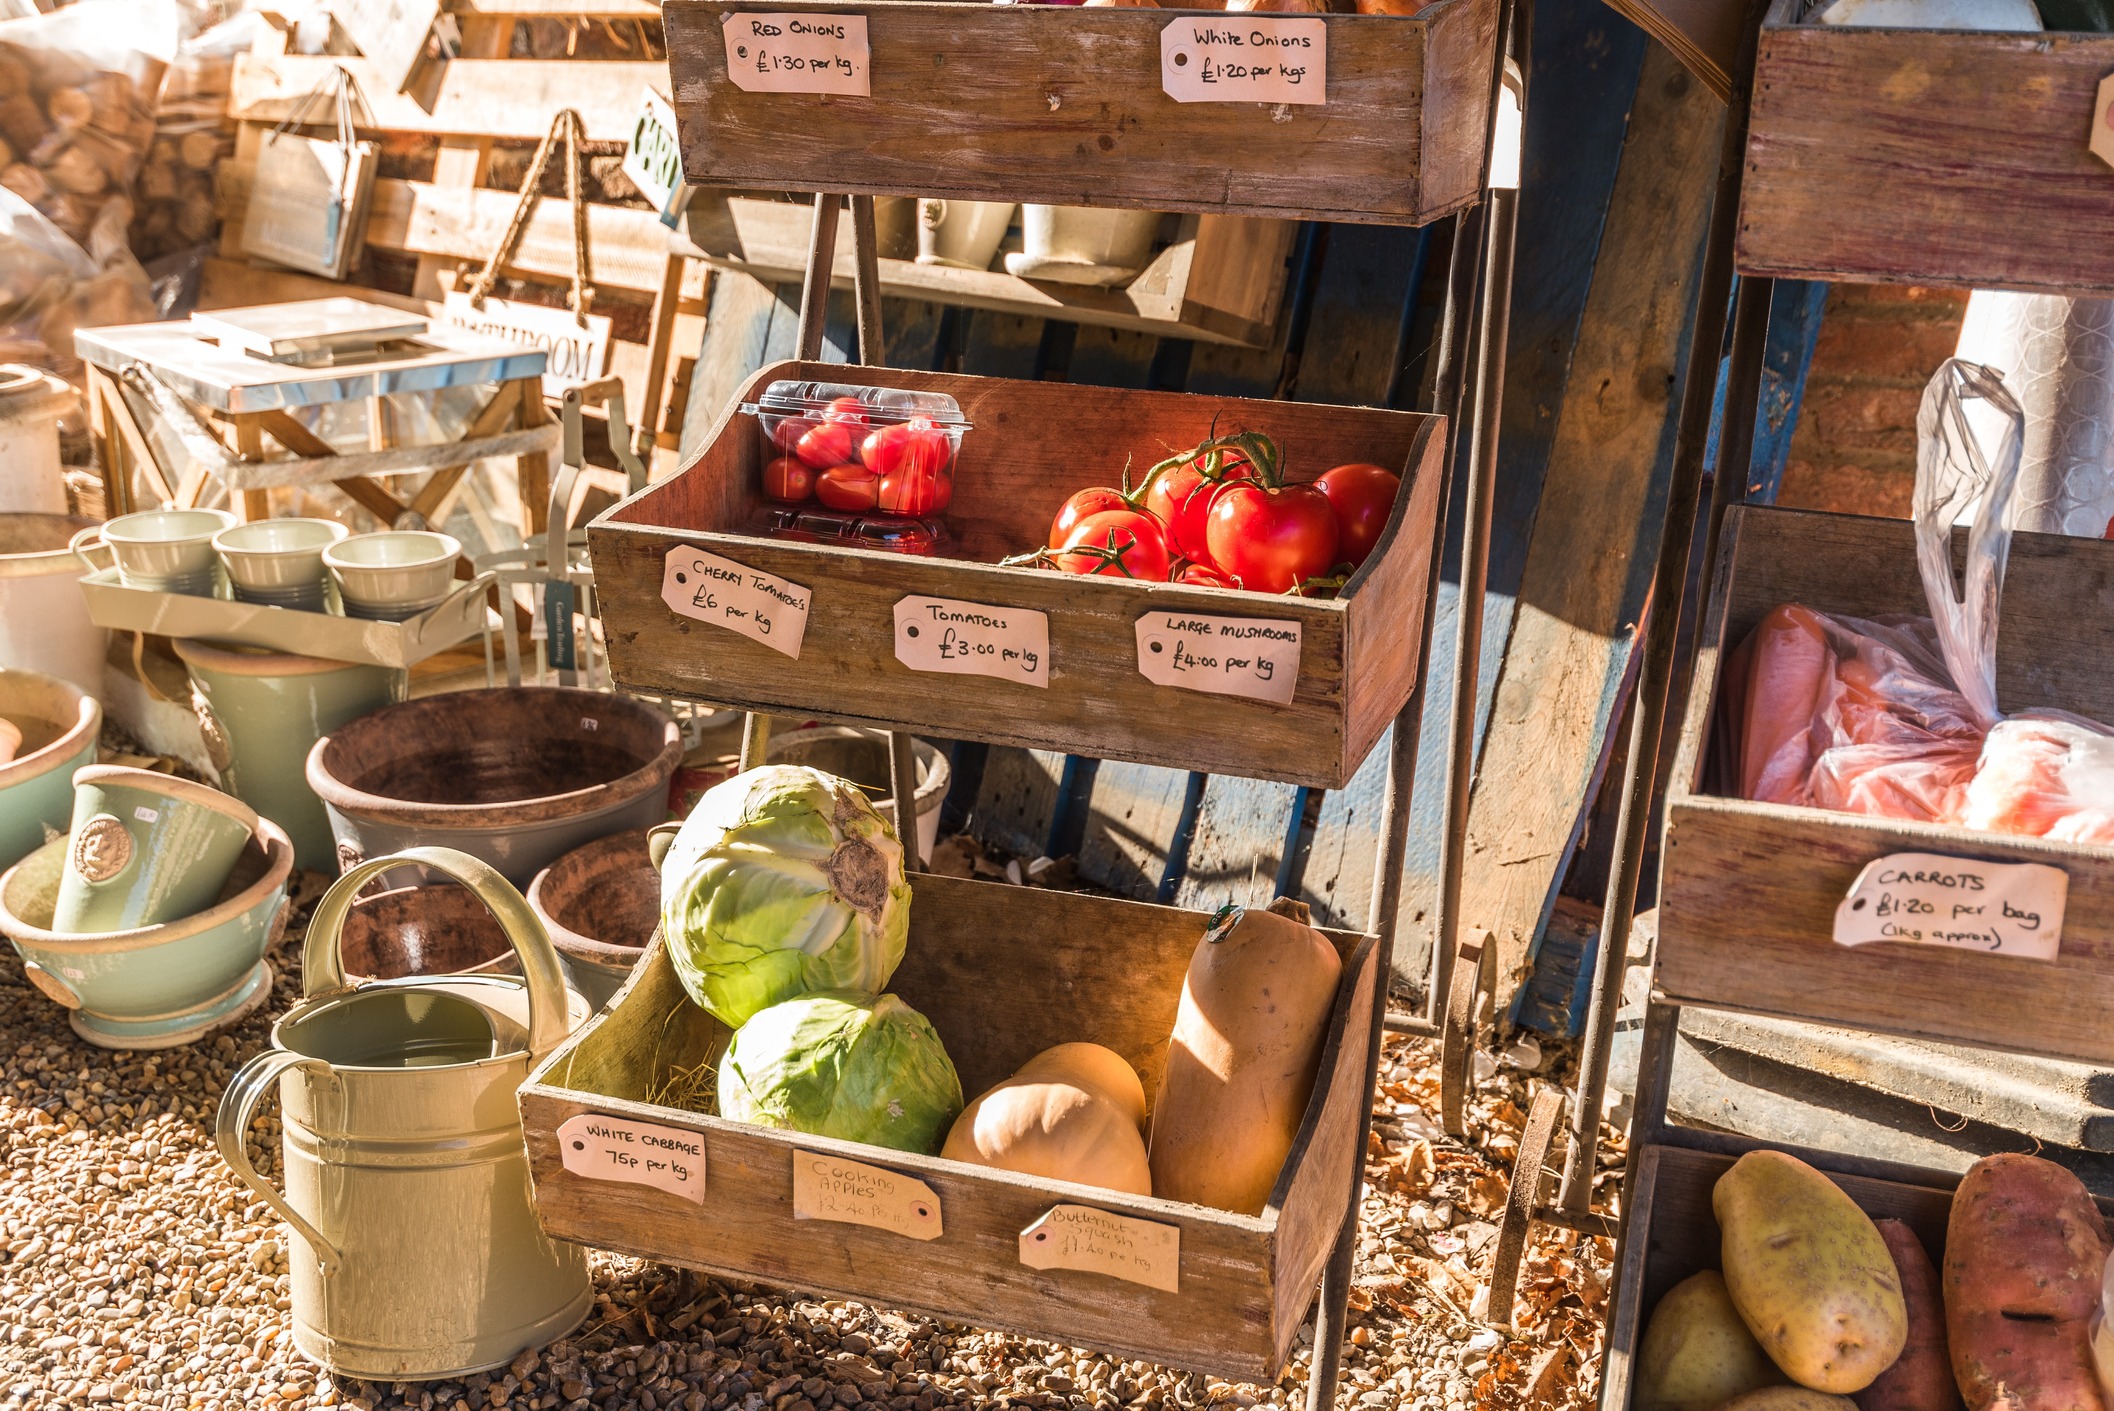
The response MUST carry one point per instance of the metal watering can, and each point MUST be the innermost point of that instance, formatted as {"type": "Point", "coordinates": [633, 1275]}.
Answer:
{"type": "Point", "coordinates": [406, 1176]}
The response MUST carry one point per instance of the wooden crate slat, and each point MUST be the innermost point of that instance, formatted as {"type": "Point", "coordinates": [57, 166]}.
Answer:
{"type": "Point", "coordinates": [1062, 105]}
{"type": "Point", "coordinates": [508, 99]}
{"type": "Point", "coordinates": [647, 10]}
{"type": "Point", "coordinates": [1861, 164]}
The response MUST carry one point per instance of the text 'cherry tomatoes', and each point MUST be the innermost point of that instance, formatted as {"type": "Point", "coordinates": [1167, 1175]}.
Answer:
{"type": "Point", "coordinates": [1363, 496]}
{"type": "Point", "coordinates": [1181, 491]}
{"type": "Point", "coordinates": [789, 479]}
{"type": "Point", "coordinates": [1117, 544]}
{"type": "Point", "coordinates": [1092, 500]}
{"type": "Point", "coordinates": [1271, 541]}
{"type": "Point", "coordinates": [848, 487]}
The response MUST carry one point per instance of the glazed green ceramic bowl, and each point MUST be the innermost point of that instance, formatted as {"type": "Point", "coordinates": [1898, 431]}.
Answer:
{"type": "Point", "coordinates": [154, 986]}
{"type": "Point", "coordinates": [59, 724]}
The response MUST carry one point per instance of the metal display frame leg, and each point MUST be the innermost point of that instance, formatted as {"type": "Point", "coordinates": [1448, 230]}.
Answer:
{"type": "Point", "coordinates": [1659, 667]}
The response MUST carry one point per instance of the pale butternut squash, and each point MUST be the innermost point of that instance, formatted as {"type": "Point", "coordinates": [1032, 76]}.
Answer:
{"type": "Point", "coordinates": [1075, 1112]}
{"type": "Point", "coordinates": [1247, 1043]}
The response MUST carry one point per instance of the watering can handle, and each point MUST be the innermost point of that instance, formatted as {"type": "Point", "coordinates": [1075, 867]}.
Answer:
{"type": "Point", "coordinates": [323, 968]}
{"type": "Point", "coordinates": [238, 1105]}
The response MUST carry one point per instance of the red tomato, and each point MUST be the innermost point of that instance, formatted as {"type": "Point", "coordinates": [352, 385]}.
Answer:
{"type": "Point", "coordinates": [848, 487]}
{"type": "Point", "coordinates": [1079, 506]}
{"type": "Point", "coordinates": [849, 410]}
{"type": "Point", "coordinates": [914, 444]}
{"type": "Point", "coordinates": [788, 479]}
{"type": "Point", "coordinates": [789, 431]}
{"type": "Point", "coordinates": [1202, 575]}
{"type": "Point", "coordinates": [914, 490]}
{"type": "Point", "coordinates": [825, 444]}
{"type": "Point", "coordinates": [1117, 543]}
{"type": "Point", "coordinates": [1271, 541]}
{"type": "Point", "coordinates": [1363, 497]}
{"type": "Point", "coordinates": [1181, 492]}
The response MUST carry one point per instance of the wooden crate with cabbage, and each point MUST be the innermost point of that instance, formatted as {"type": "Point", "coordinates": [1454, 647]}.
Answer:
{"type": "Point", "coordinates": [809, 999]}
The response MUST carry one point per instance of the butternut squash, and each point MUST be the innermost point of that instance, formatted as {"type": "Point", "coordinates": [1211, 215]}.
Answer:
{"type": "Point", "coordinates": [1247, 1043]}
{"type": "Point", "coordinates": [1072, 1113]}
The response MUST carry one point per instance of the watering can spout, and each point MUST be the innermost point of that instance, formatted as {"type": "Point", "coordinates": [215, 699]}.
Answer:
{"type": "Point", "coordinates": [659, 839]}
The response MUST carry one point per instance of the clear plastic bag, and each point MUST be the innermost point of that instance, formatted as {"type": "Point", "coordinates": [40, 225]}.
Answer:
{"type": "Point", "coordinates": [1957, 477]}
{"type": "Point", "coordinates": [50, 285]}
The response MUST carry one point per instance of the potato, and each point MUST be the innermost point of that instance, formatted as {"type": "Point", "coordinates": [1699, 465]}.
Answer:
{"type": "Point", "coordinates": [1921, 1378]}
{"type": "Point", "coordinates": [1809, 1273]}
{"type": "Point", "coordinates": [1696, 1352]}
{"type": "Point", "coordinates": [2024, 1251]}
{"type": "Point", "coordinates": [1788, 1399]}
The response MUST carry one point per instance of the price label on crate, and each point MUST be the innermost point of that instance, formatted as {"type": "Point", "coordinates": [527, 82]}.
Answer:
{"type": "Point", "coordinates": [853, 1193]}
{"type": "Point", "coordinates": [1923, 899]}
{"type": "Point", "coordinates": [1256, 657]}
{"type": "Point", "coordinates": [973, 639]}
{"type": "Point", "coordinates": [1103, 1242]}
{"type": "Point", "coordinates": [2103, 121]}
{"type": "Point", "coordinates": [798, 53]}
{"type": "Point", "coordinates": [1244, 58]}
{"type": "Point", "coordinates": [761, 606]}
{"type": "Point", "coordinates": [636, 1153]}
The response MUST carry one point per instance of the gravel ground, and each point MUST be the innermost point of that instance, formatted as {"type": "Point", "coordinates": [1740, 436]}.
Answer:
{"type": "Point", "coordinates": [137, 1271]}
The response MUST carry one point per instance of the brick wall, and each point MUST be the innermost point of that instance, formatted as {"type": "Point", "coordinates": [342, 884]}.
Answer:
{"type": "Point", "coordinates": [1854, 449]}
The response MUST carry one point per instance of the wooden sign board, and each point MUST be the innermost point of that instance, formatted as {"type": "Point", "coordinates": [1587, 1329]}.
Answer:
{"type": "Point", "coordinates": [577, 352]}
{"type": "Point", "coordinates": [308, 203]}
{"type": "Point", "coordinates": [391, 33]}
{"type": "Point", "coordinates": [653, 158]}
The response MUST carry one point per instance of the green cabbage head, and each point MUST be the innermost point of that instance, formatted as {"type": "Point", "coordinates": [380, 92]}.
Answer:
{"type": "Point", "coordinates": [859, 1067]}
{"type": "Point", "coordinates": [782, 881]}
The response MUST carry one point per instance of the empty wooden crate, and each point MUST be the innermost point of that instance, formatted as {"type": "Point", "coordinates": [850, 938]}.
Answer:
{"type": "Point", "coordinates": [1749, 891]}
{"type": "Point", "coordinates": [1923, 156]}
{"type": "Point", "coordinates": [1002, 973]}
{"type": "Point", "coordinates": [1033, 444]}
{"type": "Point", "coordinates": [1063, 105]}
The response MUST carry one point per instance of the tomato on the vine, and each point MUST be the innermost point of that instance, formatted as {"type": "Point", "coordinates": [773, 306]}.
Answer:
{"type": "Point", "coordinates": [1201, 575]}
{"type": "Point", "coordinates": [1272, 540]}
{"type": "Point", "coordinates": [1363, 497]}
{"type": "Point", "coordinates": [1092, 500]}
{"type": "Point", "coordinates": [825, 444]}
{"type": "Point", "coordinates": [848, 487]}
{"type": "Point", "coordinates": [1180, 489]}
{"type": "Point", "coordinates": [1123, 543]}
{"type": "Point", "coordinates": [789, 479]}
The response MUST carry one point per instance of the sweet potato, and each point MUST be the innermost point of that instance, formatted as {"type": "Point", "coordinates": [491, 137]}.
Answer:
{"type": "Point", "coordinates": [1921, 1378]}
{"type": "Point", "coordinates": [2024, 1250]}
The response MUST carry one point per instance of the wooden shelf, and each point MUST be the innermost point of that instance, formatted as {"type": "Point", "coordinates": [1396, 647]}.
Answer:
{"type": "Point", "coordinates": [1221, 280]}
{"type": "Point", "coordinates": [1062, 105]}
{"type": "Point", "coordinates": [1748, 891]}
{"type": "Point", "coordinates": [1905, 156]}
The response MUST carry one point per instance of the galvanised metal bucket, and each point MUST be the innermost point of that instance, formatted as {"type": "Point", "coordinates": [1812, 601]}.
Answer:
{"type": "Point", "coordinates": [406, 1177]}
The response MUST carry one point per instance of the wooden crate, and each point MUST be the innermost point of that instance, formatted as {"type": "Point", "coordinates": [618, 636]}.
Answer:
{"type": "Point", "coordinates": [1003, 973]}
{"type": "Point", "coordinates": [1669, 1233]}
{"type": "Point", "coordinates": [1220, 280]}
{"type": "Point", "coordinates": [1062, 105]}
{"type": "Point", "coordinates": [1033, 444]}
{"type": "Point", "coordinates": [1748, 891]}
{"type": "Point", "coordinates": [1867, 161]}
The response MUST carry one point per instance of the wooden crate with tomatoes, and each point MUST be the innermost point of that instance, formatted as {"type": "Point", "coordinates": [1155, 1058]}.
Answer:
{"type": "Point", "coordinates": [1111, 647]}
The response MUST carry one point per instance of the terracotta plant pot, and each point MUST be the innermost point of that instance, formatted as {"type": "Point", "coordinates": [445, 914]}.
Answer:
{"type": "Point", "coordinates": [600, 904]}
{"type": "Point", "coordinates": [440, 929]}
{"type": "Point", "coordinates": [517, 776]}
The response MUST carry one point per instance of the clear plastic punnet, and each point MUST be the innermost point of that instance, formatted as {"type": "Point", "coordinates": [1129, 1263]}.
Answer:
{"type": "Point", "coordinates": [860, 450]}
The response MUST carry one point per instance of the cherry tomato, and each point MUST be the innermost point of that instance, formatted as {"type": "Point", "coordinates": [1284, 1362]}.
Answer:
{"type": "Point", "coordinates": [789, 479]}
{"type": "Point", "coordinates": [1118, 544]}
{"type": "Point", "coordinates": [1181, 495]}
{"type": "Point", "coordinates": [825, 444]}
{"type": "Point", "coordinates": [1363, 497]}
{"type": "Point", "coordinates": [849, 410]}
{"type": "Point", "coordinates": [1201, 575]}
{"type": "Point", "coordinates": [913, 490]}
{"type": "Point", "coordinates": [1271, 541]}
{"type": "Point", "coordinates": [1083, 503]}
{"type": "Point", "coordinates": [911, 445]}
{"type": "Point", "coordinates": [789, 431]}
{"type": "Point", "coordinates": [848, 487]}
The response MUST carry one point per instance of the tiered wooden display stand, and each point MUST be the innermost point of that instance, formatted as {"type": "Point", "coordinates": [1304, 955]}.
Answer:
{"type": "Point", "coordinates": [1057, 104]}
{"type": "Point", "coordinates": [1849, 173]}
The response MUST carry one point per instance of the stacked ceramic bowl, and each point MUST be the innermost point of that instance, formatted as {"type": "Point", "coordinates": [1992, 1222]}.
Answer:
{"type": "Point", "coordinates": [150, 917]}
{"type": "Point", "coordinates": [393, 575]}
{"type": "Point", "coordinates": [278, 562]}
{"type": "Point", "coordinates": [166, 551]}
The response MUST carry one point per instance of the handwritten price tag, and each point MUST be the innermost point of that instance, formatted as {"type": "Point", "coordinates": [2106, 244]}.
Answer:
{"type": "Point", "coordinates": [1103, 1242]}
{"type": "Point", "coordinates": [973, 639]}
{"type": "Point", "coordinates": [1244, 59]}
{"type": "Point", "coordinates": [1922, 899]}
{"type": "Point", "coordinates": [2103, 121]}
{"type": "Point", "coordinates": [798, 53]}
{"type": "Point", "coordinates": [1255, 657]}
{"type": "Point", "coordinates": [853, 1193]}
{"type": "Point", "coordinates": [636, 1153]}
{"type": "Point", "coordinates": [727, 594]}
